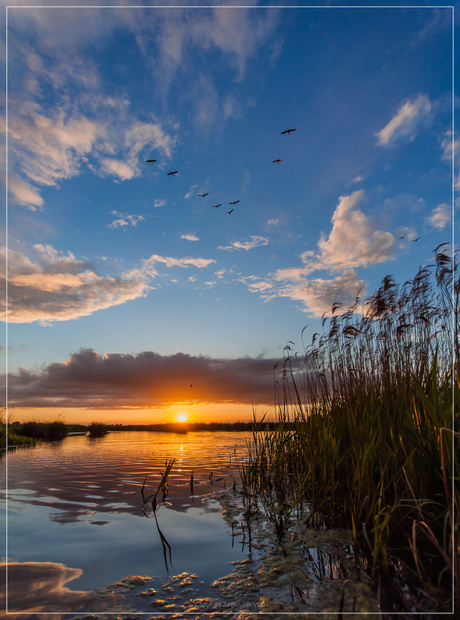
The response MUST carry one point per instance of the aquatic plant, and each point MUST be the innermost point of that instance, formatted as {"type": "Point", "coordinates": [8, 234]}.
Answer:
{"type": "Point", "coordinates": [364, 432]}
{"type": "Point", "coordinates": [152, 498]}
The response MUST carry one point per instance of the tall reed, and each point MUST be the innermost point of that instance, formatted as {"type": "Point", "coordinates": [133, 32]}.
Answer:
{"type": "Point", "coordinates": [365, 426]}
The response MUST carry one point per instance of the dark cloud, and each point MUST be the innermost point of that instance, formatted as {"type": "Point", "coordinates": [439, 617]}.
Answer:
{"type": "Point", "coordinates": [119, 380]}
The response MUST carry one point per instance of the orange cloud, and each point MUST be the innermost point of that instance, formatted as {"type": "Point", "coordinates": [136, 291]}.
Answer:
{"type": "Point", "coordinates": [59, 287]}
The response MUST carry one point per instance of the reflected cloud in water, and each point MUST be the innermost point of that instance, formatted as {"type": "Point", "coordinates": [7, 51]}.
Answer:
{"type": "Point", "coordinates": [41, 587]}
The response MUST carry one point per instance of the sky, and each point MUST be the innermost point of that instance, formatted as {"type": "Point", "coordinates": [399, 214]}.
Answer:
{"type": "Point", "coordinates": [135, 295]}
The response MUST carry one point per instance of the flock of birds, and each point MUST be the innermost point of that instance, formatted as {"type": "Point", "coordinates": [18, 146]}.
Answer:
{"type": "Point", "coordinates": [234, 202]}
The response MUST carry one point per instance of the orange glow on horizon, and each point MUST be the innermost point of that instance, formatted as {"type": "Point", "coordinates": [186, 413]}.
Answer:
{"type": "Point", "coordinates": [195, 413]}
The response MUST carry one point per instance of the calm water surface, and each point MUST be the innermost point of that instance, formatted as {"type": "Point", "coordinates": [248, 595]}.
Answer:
{"type": "Point", "coordinates": [75, 520]}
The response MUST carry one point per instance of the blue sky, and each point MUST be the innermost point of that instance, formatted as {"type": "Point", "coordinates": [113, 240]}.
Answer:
{"type": "Point", "coordinates": [110, 257]}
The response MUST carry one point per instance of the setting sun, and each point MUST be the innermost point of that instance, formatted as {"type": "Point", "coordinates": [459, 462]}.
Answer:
{"type": "Point", "coordinates": [182, 417]}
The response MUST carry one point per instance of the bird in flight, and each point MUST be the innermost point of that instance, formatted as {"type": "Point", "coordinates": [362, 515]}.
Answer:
{"type": "Point", "coordinates": [288, 131]}
{"type": "Point", "coordinates": [401, 237]}
{"type": "Point", "coordinates": [234, 202]}
{"type": "Point", "coordinates": [277, 161]}
{"type": "Point", "coordinates": [150, 161]}
{"type": "Point", "coordinates": [173, 173]}
{"type": "Point", "coordinates": [217, 206]}
{"type": "Point", "coordinates": [414, 240]}
{"type": "Point", "coordinates": [229, 211]}
{"type": "Point", "coordinates": [203, 195]}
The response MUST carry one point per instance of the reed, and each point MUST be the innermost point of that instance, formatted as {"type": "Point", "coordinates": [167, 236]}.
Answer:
{"type": "Point", "coordinates": [364, 432]}
{"type": "Point", "coordinates": [155, 504]}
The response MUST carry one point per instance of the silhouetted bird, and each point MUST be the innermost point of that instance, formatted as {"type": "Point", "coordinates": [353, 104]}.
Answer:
{"type": "Point", "coordinates": [150, 161]}
{"type": "Point", "coordinates": [234, 202]}
{"type": "Point", "coordinates": [401, 237]}
{"type": "Point", "coordinates": [229, 211]}
{"type": "Point", "coordinates": [414, 240]}
{"type": "Point", "coordinates": [173, 173]}
{"type": "Point", "coordinates": [217, 206]}
{"type": "Point", "coordinates": [277, 161]}
{"type": "Point", "coordinates": [288, 131]}
{"type": "Point", "coordinates": [203, 195]}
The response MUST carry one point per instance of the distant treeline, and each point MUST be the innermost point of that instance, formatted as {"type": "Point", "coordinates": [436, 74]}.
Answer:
{"type": "Point", "coordinates": [28, 433]}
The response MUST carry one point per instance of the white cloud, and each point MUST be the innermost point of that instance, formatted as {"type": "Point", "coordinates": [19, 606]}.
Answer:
{"type": "Point", "coordinates": [406, 122]}
{"type": "Point", "coordinates": [117, 168]}
{"type": "Point", "coordinates": [238, 33]}
{"type": "Point", "coordinates": [148, 265]}
{"type": "Point", "coordinates": [22, 193]}
{"type": "Point", "coordinates": [352, 242]}
{"type": "Point", "coordinates": [190, 192]}
{"type": "Point", "coordinates": [449, 146]}
{"type": "Point", "coordinates": [159, 203]}
{"type": "Point", "coordinates": [451, 149]}
{"type": "Point", "coordinates": [255, 241]}
{"type": "Point", "coordinates": [50, 148]}
{"type": "Point", "coordinates": [125, 219]}
{"type": "Point", "coordinates": [190, 237]}
{"type": "Point", "coordinates": [273, 222]}
{"type": "Point", "coordinates": [441, 216]}
{"type": "Point", "coordinates": [316, 295]}
{"type": "Point", "coordinates": [58, 287]}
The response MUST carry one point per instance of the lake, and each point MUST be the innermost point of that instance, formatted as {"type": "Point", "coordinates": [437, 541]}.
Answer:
{"type": "Point", "coordinates": [80, 543]}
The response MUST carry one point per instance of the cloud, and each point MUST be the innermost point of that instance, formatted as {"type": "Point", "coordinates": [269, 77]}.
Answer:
{"type": "Point", "coordinates": [273, 222]}
{"type": "Point", "coordinates": [89, 379]}
{"type": "Point", "coordinates": [351, 243]}
{"type": "Point", "coordinates": [159, 203]}
{"type": "Point", "coordinates": [50, 148]}
{"type": "Point", "coordinates": [451, 150]}
{"type": "Point", "coordinates": [190, 192]}
{"type": "Point", "coordinates": [237, 33]}
{"type": "Point", "coordinates": [148, 265]}
{"type": "Point", "coordinates": [190, 237]}
{"type": "Point", "coordinates": [85, 130]}
{"type": "Point", "coordinates": [441, 216]}
{"type": "Point", "coordinates": [22, 193]}
{"type": "Point", "coordinates": [255, 241]}
{"type": "Point", "coordinates": [406, 122]}
{"type": "Point", "coordinates": [59, 287]}
{"type": "Point", "coordinates": [316, 295]}
{"type": "Point", "coordinates": [125, 219]}
{"type": "Point", "coordinates": [117, 168]}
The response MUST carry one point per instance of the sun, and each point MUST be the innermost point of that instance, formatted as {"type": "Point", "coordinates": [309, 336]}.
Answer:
{"type": "Point", "coordinates": [182, 417]}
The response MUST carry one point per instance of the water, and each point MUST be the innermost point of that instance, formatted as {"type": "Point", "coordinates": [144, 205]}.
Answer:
{"type": "Point", "coordinates": [79, 542]}
{"type": "Point", "coordinates": [75, 509]}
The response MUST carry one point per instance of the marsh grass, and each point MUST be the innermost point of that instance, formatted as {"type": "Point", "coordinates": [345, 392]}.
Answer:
{"type": "Point", "coordinates": [155, 504]}
{"type": "Point", "coordinates": [364, 436]}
